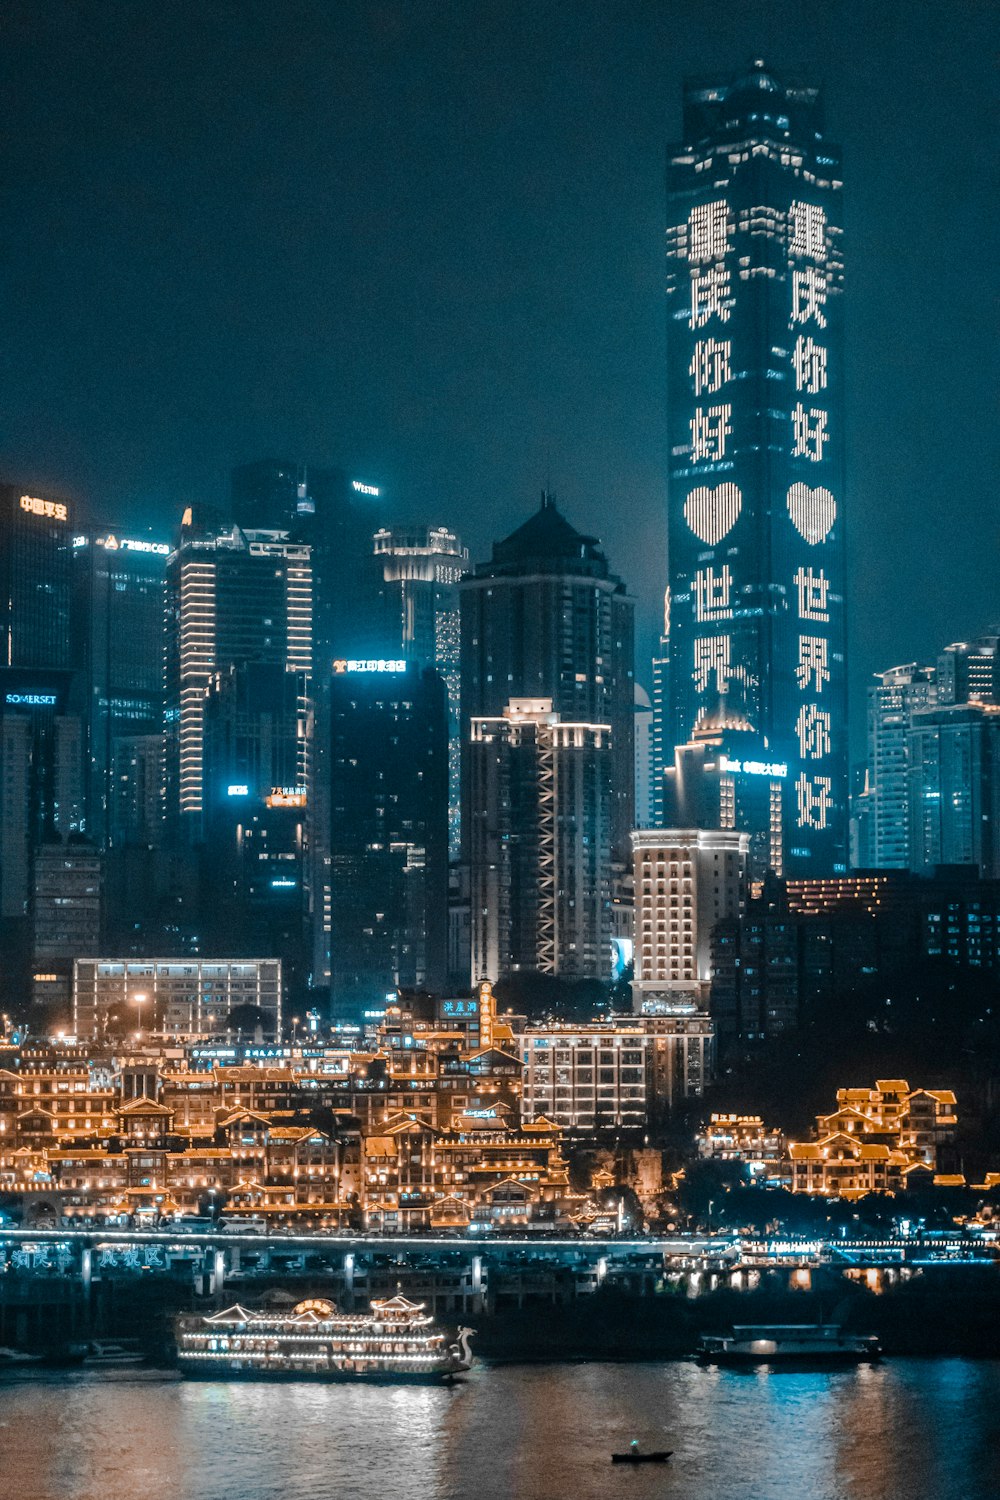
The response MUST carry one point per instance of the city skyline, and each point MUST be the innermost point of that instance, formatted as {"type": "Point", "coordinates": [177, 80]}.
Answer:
{"type": "Point", "coordinates": [564, 329]}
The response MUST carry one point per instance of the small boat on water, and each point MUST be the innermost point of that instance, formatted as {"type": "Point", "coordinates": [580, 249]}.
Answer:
{"type": "Point", "coordinates": [395, 1341]}
{"type": "Point", "coordinates": [107, 1354]}
{"type": "Point", "coordinates": [813, 1344]}
{"type": "Point", "coordinates": [636, 1456]}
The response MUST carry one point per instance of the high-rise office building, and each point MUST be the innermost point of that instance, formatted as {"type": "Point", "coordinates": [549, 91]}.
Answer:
{"type": "Point", "coordinates": [388, 830]}
{"type": "Point", "coordinates": [708, 788]}
{"type": "Point", "coordinates": [969, 671]}
{"type": "Point", "coordinates": [35, 550]}
{"type": "Point", "coordinates": [893, 698]}
{"type": "Point", "coordinates": [539, 840]}
{"type": "Point", "coordinates": [65, 917]}
{"type": "Point", "coordinates": [644, 817]}
{"type": "Point", "coordinates": [335, 516]}
{"type": "Point", "coordinates": [421, 567]}
{"type": "Point", "coordinates": [546, 618]}
{"type": "Point", "coordinates": [756, 537]}
{"type": "Point", "coordinates": [119, 593]}
{"type": "Point", "coordinates": [257, 744]}
{"type": "Point", "coordinates": [953, 768]}
{"type": "Point", "coordinates": [41, 799]}
{"type": "Point", "coordinates": [232, 597]}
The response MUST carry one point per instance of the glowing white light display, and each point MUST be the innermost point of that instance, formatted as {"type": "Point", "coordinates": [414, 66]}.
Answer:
{"type": "Point", "coordinates": [809, 296]}
{"type": "Point", "coordinates": [814, 662]}
{"type": "Point", "coordinates": [813, 795]}
{"type": "Point", "coordinates": [711, 514]}
{"type": "Point", "coordinates": [709, 368]}
{"type": "Point", "coordinates": [711, 593]}
{"type": "Point", "coordinates": [812, 512]}
{"type": "Point", "coordinates": [708, 231]}
{"type": "Point", "coordinates": [810, 433]}
{"type": "Point", "coordinates": [809, 364]}
{"type": "Point", "coordinates": [774, 769]}
{"type": "Point", "coordinates": [710, 296]}
{"type": "Point", "coordinates": [712, 655]}
{"type": "Point", "coordinates": [808, 222]}
{"type": "Point", "coordinates": [813, 590]}
{"type": "Point", "coordinates": [364, 489]}
{"type": "Point", "coordinates": [813, 729]}
{"type": "Point", "coordinates": [342, 665]}
{"type": "Point", "coordinates": [709, 430]}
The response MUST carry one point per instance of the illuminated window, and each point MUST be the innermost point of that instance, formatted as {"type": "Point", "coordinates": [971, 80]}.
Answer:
{"type": "Point", "coordinates": [709, 296]}
{"type": "Point", "coordinates": [709, 368]}
{"type": "Point", "coordinates": [809, 296]}
{"type": "Point", "coordinates": [712, 655]}
{"type": "Point", "coordinates": [813, 729]}
{"type": "Point", "coordinates": [709, 430]}
{"type": "Point", "coordinates": [809, 363]}
{"type": "Point", "coordinates": [814, 801]}
{"type": "Point", "coordinates": [810, 433]}
{"type": "Point", "coordinates": [708, 231]}
{"type": "Point", "coordinates": [808, 223]}
{"type": "Point", "coordinates": [812, 512]}
{"type": "Point", "coordinates": [711, 513]}
{"type": "Point", "coordinates": [711, 593]}
{"type": "Point", "coordinates": [813, 589]}
{"type": "Point", "coordinates": [814, 665]}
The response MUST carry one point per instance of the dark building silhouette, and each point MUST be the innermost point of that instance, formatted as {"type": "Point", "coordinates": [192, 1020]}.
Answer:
{"type": "Point", "coordinates": [119, 592]}
{"type": "Point", "coordinates": [756, 536]}
{"type": "Point", "coordinates": [388, 831]}
{"type": "Point", "coordinates": [546, 618]}
{"type": "Point", "coordinates": [257, 742]}
{"type": "Point", "coordinates": [35, 552]}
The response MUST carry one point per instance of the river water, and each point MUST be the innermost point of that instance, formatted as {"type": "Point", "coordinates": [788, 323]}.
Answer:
{"type": "Point", "coordinates": [920, 1429]}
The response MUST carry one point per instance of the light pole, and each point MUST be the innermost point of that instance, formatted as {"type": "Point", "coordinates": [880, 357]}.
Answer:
{"type": "Point", "coordinates": [138, 1001]}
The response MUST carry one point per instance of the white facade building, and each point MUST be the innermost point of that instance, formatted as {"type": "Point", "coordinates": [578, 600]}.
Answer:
{"type": "Point", "coordinates": [619, 1076]}
{"type": "Point", "coordinates": [181, 996]}
{"type": "Point", "coordinates": [686, 880]}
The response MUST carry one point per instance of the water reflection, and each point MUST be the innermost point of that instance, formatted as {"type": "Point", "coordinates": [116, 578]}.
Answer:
{"type": "Point", "coordinates": [907, 1427]}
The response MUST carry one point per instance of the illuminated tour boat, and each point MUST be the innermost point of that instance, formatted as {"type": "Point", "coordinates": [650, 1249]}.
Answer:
{"type": "Point", "coordinates": [788, 1343]}
{"type": "Point", "coordinates": [395, 1341]}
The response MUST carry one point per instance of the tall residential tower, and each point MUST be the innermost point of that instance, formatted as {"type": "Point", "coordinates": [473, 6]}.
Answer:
{"type": "Point", "coordinates": [756, 534]}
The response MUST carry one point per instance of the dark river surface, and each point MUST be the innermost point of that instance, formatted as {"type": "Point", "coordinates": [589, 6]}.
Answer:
{"type": "Point", "coordinates": [904, 1430]}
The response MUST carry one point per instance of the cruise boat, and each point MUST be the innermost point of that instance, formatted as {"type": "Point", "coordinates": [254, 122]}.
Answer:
{"type": "Point", "coordinates": [787, 1343]}
{"type": "Point", "coordinates": [395, 1341]}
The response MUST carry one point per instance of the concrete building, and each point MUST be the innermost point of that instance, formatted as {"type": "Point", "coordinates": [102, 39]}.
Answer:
{"type": "Point", "coordinates": [65, 917]}
{"type": "Point", "coordinates": [421, 567]}
{"type": "Point", "coordinates": [686, 882]}
{"type": "Point", "coordinates": [185, 997]}
{"type": "Point", "coordinates": [625, 1076]}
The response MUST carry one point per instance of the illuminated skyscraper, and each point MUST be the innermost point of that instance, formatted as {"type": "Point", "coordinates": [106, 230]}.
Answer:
{"type": "Point", "coordinates": [232, 597]}
{"type": "Point", "coordinates": [539, 839]}
{"type": "Point", "coordinates": [893, 698]}
{"type": "Point", "coordinates": [547, 618]}
{"type": "Point", "coordinates": [421, 566]}
{"type": "Point", "coordinates": [756, 532]}
{"type": "Point", "coordinates": [117, 641]}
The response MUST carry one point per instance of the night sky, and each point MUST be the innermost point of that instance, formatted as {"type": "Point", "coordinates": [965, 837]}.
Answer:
{"type": "Point", "coordinates": [425, 241]}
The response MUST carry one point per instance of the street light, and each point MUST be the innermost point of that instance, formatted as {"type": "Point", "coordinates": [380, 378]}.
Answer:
{"type": "Point", "coordinates": [139, 1001]}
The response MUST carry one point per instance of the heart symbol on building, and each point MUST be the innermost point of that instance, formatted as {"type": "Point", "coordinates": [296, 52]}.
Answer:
{"type": "Point", "coordinates": [712, 513]}
{"type": "Point", "coordinates": [813, 512]}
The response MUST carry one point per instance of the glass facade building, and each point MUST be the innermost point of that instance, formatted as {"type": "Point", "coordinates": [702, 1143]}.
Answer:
{"type": "Point", "coordinates": [756, 536]}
